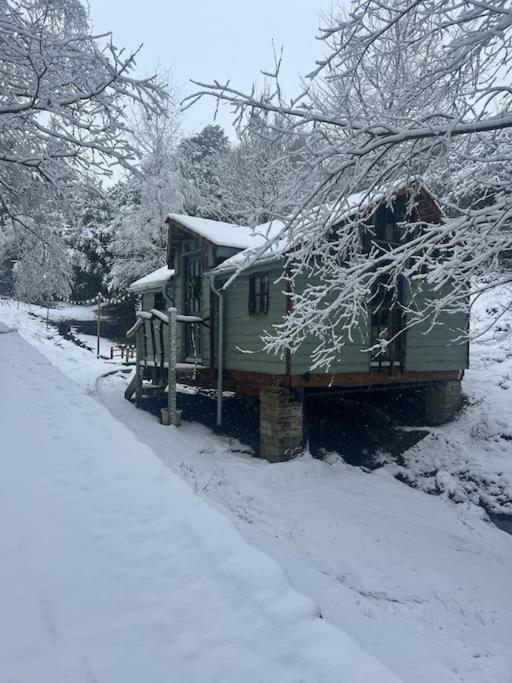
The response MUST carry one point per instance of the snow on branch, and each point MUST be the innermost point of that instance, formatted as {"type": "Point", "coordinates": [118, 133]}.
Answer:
{"type": "Point", "coordinates": [405, 90]}
{"type": "Point", "coordinates": [63, 101]}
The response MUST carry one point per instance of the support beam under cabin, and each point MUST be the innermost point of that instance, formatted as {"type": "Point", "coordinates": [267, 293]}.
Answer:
{"type": "Point", "coordinates": [442, 400]}
{"type": "Point", "coordinates": [281, 423]}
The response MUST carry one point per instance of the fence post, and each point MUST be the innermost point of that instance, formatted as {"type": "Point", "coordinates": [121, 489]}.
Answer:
{"type": "Point", "coordinates": [98, 324]}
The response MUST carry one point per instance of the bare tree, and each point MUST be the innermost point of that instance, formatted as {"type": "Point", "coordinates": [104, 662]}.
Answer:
{"type": "Point", "coordinates": [63, 97]}
{"type": "Point", "coordinates": [407, 88]}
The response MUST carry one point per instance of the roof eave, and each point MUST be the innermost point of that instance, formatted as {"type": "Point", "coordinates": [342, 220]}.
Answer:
{"type": "Point", "coordinates": [191, 231]}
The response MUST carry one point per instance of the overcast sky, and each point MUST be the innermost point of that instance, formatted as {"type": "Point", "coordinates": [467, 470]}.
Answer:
{"type": "Point", "coordinates": [220, 39]}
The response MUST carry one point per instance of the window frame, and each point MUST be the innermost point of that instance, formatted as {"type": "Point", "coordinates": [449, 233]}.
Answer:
{"type": "Point", "coordinates": [259, 293]}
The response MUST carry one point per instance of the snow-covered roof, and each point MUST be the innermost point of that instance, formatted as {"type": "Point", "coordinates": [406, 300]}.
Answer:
{"type": "Point", "coordinates": [219, 233]}
{"type": "Point", "coordinates": [328, 214]}
{"type": "Point", "coordinates": [154, 280]}
{"type": "Point", "coordinates": [261, 251]}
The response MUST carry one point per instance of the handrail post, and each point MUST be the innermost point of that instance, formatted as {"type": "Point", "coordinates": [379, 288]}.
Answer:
{"type": "Point", "coordinates": [171, 388]}
{"type": "Point", "coordinates": [138, 367]}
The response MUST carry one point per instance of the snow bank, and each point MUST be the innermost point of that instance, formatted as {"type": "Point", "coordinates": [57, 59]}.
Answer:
{"type": "Point", "coordinates": [113, 570]}
{"type": "Point", "coordinates": [470, 459]}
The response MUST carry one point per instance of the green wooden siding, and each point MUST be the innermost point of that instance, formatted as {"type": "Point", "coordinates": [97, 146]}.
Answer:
{"type": "Point", "coordinates": [243, 347]}
{"type": "Point", "coordinates": [242, 332]}
{"type": "Point", "coordinates": [353, 358]}
{"type": "Point", "coordinates": [436, 349]}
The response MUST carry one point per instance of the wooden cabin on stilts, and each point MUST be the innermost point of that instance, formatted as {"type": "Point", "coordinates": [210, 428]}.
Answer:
{"type": "Point", "coordinates": [197, 320]}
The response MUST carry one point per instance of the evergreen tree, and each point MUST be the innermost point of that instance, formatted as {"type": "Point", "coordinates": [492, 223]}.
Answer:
{"type": "Point", "coordinates": [201, 158]}
{"type": "Point", "coordinates": [89, 237]}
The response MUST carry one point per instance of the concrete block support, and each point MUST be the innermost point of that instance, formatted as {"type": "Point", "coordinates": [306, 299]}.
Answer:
{"type": "Point", "coordinates": [442, 400]}
{"type": "Point", "coordinates": [281, 424]}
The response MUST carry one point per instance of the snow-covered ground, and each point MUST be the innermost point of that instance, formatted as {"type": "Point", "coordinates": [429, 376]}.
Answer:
{"type": "Point", "coordinates": [471, 458]}
{"type": "Point", "coordinates": [90, 342]}
{"type": "Point", "coordinates": [78, 363]}
{"type": "Point", "coordinates": [420, 582]}
{"type": "Point", "coordinates": [113, 571]}
{"type": "Point", "coordinates": [60, 311]}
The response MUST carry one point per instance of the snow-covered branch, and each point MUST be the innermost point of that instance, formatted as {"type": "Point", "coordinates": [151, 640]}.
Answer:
{"type": "Point", "coordinates": [405, 90]}
{"type": "Point", "coordinates": [63, 98]}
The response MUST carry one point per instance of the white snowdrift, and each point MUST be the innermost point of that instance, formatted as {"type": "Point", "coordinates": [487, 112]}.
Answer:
{"type": "Point", "coordinates": [113, 570]}
{"type": "Point", "coordinates": [470, 459]}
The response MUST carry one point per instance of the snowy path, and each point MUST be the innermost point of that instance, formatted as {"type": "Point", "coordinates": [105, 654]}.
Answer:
{"type": "Point", "coordinates": [113, 571]}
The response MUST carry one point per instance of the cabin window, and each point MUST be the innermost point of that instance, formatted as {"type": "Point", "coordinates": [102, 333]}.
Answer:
{"type": "Point", "coordinates": [384, 224]}
{"type": "Point", "coordinates": [258, 293]}
{"type": "Point", "coordinates": [159, 301]}
{"type": "Point", "coordinates": [386, 221]}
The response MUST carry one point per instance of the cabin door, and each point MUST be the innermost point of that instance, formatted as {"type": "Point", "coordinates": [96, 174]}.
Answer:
{"type": "Point", "coordinates": [193, 289]}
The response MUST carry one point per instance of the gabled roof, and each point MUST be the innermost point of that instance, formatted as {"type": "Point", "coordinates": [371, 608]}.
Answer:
{"type": "Point", "coordinates": [354, 205]}
{"type": "Point", "coordinates": [219, 233]}
{"type": "Point", "coordinates": [152, 281]}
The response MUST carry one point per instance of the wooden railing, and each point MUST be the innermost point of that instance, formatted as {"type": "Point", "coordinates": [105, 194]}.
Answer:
{"type": "Point", "coordinates": [155, 333]}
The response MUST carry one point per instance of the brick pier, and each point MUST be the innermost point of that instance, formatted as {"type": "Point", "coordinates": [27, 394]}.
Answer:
{"type": "Point", "coordinates": [442, 400]}
{"type": "Point", "coordinates": [281, 424]}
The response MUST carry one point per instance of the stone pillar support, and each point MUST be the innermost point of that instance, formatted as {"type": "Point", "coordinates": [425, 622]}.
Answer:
{"type": "Point", "coordinates": [442, 400]}
{"type": "Point", "coordinates": [281, 424]}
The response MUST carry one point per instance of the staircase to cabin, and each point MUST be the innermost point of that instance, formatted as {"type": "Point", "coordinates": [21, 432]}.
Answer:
{"type": "Point", "coordinates": [151, 332]}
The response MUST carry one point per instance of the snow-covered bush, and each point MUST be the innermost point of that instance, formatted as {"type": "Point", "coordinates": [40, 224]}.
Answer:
{"type": "Point", "coordinates": [43, 272]}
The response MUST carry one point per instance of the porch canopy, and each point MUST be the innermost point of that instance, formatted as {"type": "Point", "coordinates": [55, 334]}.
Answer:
{"type": "Point", "coordinates": [152, 282]}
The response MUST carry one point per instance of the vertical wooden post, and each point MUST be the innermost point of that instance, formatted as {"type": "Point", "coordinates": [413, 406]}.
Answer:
{"type": "Point", "coordinates": [138, 368]}
{"type": "Point", "coordinates": [171, 388]}
{"type": "Point", "coordinates": [98, 324]}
